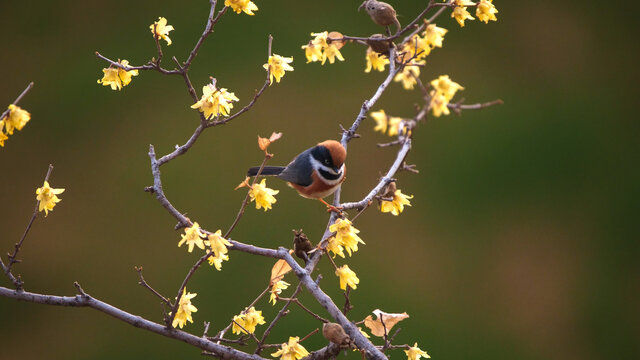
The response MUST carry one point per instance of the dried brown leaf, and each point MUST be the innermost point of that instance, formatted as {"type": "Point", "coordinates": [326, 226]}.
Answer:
{"type": "Point", "coordinates": [389, 319]}
{"type": "Point", "coordinates": [244, 183]}
{"type": "Point", "coordinates": [279, 270]}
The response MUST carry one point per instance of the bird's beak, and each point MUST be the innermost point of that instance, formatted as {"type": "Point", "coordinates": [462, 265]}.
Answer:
{"type": "Point", "coordinates": [336, 169]}
{"type": "Point", "coordinates": [362, 5]}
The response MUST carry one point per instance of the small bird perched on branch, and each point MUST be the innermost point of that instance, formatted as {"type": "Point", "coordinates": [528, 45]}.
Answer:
{"type": "Point", "coordinates": [315, 173]}
{"type": "Point", "coordinates": [381, 13]}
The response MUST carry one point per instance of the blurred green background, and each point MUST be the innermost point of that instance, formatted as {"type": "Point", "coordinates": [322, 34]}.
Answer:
{"type": "Point", "coordinates": [522, 241]}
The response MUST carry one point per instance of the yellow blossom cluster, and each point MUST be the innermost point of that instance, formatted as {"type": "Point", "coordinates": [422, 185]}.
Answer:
{"type": "Point", "coordinates": [247, 320]}
{"type": "Point", "coordinates": [15, 119]}
{"type": "Point", "coordinates": [262, 195]}
{"type": "Point", "coordinates": [46, 197]}
{"type": "Point", "coordinates": [444, 89]}
{"type": "Point", "coordinates": [276, 290]}
{"type": "Point", "coordinates": [384, 122]}
{"type": "Point", "coordinates": [241, 5]}
{"type": "Point", "coordinates": [160, 30]}
{"type": "Point", "coordinates": [291, 350]}
{"type": "Point", "coordinates": [117, 77]}
{"type": "Point", "coordinates": [485, 11]}
{"type": "Point", "coordinates": [276, 66]}
{"type": "Point", "coordinates": [319, 48]}
{"type": "Point", "coordinates": [215, 102]}
{"type": "Point", "coordinates": [218, 246]}
{"type": "Point", "coordinates": [420, 45]}
{"type": "Point", "coordinates": [346, 238]}
{"type": "Point", "coordinates": [185, 308]}
{"type": "Point", "coordinates": [375, 61]}
{"type": "Point", "coordinates": [396, 206]}
{"type": "Point", "coordinates": [414, 353]}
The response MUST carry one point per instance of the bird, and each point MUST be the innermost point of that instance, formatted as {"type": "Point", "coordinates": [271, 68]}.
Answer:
{"type": "Point", "coordinates": [315, 173]}
{"type": "Point", "coordinates": [381, 13]}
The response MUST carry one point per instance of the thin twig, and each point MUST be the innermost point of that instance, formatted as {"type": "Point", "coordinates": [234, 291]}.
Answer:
{"type": "Point", "coordinates": [297, 301]}
{"type": "Point", "coordinates": [174, 308]}
{"type": "Point", "coordinates": [208, 30]}
{"type": "Point", "coordinates": [13, 257]}
{"type": "Point", "coordinates": [459, 107]}
{"type": "Point", "coordinates": [309, 335]}
{"type": "Point", "coordinates": [245, 202]}
{"type": "Point", "coordinates": [17, 100]}
{"type": "Point", "coordinates": [280, 314]}
{"type": "Point", "coordinates": [142, 282]}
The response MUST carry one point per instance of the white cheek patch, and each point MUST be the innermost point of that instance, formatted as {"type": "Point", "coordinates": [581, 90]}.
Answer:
{"type": "Point", "coordinates": [317, 165]}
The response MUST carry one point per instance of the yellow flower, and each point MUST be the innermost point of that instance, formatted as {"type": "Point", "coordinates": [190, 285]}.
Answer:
{"type": "Point", "coordinates": [347, 277]}
{"type": "Point", "coordinates": [331, 52]}
{"type": "Point", "coordinates": [291, 350]}
{"type": "Point", "coordinates": [375, 61]}
{"type": "Point", "coordinates": [397, 204]}
{"type": "Point", "coordinates": [381, 121]}
{"type": "Point", "coordinates": [277, 65]}
{"type": "Point", "coordinates": [241, 5]}
{"type": "Point", "coordinates": [434, 35]}
{"type": "Point", "coordinates": [17, 118]}
{"type": "Point", "coordinates": [263, 195]}
{"type": "Point", "coordinates": [346, 235]}
{"type": "Point", "coordinates": [409, 74]}
{"type": "Point", "coordinates": [161, 29]}
{"type": "Point", "coordinates": [416, 46]}
{"type": "Point", "coordinates": [218, 245]}
{"type": "Point", "coordinates": [394, 125]}
{"type": "Point", "coordinates": [193, 237]}
{"type": "Point", "coordinates": [486, 11]}
{"type": "Point", "coordinates": [185, 308]}
{"type": "Point", "coordinates": [439, 104]}
{"type": "Point", "coordinates": [248, 319]}
{"type": "Point", "coordinates": [124, 75]}
{"type": "Point", "coordinates": [446, 87]}
{"type": "Point", "coordinates": [312, 51]}
{"type": "Point", "coordinates": [238, 324]}
{"type": "Point", "coordinates": [116, 77]}
{"type": "Point", "coordinates": [461, 14]}
{"type": "Point", "coordinates": [47, 197]}
{"type": "Point", "coordinates": [334, 246]}
{"type": "Point", "coordinates": [215, 102]}
{"type": "Point", "coordinates": [414, 353]}
{"type": "Point", "coordinates": [111, 78]}
{"type": "Point", "coordinates": [3, 137]}
{"type": "Point", "coordinates": [276, 290]}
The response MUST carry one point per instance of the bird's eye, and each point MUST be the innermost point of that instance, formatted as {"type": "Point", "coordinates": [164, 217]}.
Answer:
{"type": "Point", "coordinates": [326, 162]}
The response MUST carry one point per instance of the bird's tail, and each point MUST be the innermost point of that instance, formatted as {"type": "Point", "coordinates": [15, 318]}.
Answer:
{"type": "Point", "coordinates": [268, 170]}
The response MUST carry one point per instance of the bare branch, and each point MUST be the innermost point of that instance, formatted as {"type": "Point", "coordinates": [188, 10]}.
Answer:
{"type": "Point", "coordinates": [134, 320]}
{"type": "Point", "coordinates": [17, 282]}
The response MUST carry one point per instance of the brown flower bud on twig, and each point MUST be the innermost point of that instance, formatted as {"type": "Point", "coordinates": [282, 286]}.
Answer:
{"type": "Point", "coordinates": [301, 244]}
{"type": "Point", "coordinates": [335, 333]}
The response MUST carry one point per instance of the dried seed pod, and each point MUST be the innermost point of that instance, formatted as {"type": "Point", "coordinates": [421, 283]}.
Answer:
{"type": "Point", "coordinates": [301, 244]}
{"type": "Point", "coordinates": [379, 46]}
{"type": "Point", "coordinates": [336, 334]}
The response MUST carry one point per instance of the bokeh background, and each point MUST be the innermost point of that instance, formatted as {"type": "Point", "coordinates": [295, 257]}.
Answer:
{"type": "Point", "coordinates": [522, 241]}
